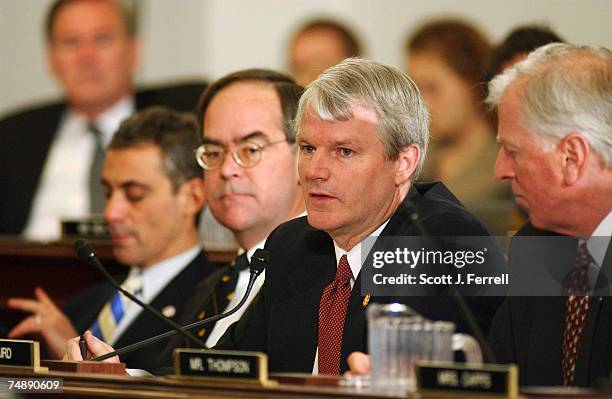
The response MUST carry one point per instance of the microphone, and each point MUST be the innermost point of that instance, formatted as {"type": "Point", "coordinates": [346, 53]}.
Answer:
{"type": "Point", "coordinates": [86, 253]}
{"type": "Point", "coordinates": [466, 312]}
{"type": "Point", "coordinates": [259, 261]}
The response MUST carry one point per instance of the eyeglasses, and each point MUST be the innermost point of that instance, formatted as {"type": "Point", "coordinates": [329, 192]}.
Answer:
{"type": "Point", "coordinates": [246, 154]}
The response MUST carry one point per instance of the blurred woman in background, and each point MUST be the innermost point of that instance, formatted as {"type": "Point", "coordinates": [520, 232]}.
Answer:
{"type": "Point", "coordinates": [447, 60]}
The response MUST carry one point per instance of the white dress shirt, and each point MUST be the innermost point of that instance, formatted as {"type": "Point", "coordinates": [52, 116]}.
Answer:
{"type": "Point", "coordinates": [154, 280]}
{"type": "Point", "coordinates": [241, 286]}
{"type": "Point", "coordinates": [597, 245]}
{"type": "Point", "coordinates": [63, 189]}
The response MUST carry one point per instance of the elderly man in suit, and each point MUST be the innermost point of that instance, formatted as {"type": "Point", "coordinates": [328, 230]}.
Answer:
{"type": "Point", "coordinates": [154, 194]}
{"type": "Point", "coordinates": [52, 155]}
{"type": "Point", "coordinates": [556, 150]}
{"type": "Point", "coordinates": [555, 112]}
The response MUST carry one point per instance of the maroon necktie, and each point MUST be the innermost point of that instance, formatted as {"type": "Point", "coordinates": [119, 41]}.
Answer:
{"type": "Point", "coordinates": [576, 307]}
{"type": "Point", "coordinates": [332, 313]}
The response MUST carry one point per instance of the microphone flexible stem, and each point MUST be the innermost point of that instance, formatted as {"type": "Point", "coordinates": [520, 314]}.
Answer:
{"type": "Point", "coordinates": [94, 260]}
{"type": "Point", "coordinates": [148, 341]}
{"type": "Point", "coordinates": [467, 313]}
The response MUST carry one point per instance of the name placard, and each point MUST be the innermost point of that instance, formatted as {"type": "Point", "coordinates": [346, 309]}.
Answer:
{"type": "Point", "coordinates": [19, 353]}
{"type": "Point", "coordinates": [90, 227]}
{"type": "Point", "coordinates": [209, 364]}
{"type": "Point", "coordinates": [453, 378]}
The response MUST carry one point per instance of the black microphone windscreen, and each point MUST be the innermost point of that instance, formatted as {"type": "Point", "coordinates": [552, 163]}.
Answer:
{"type": "Point", "coordinates": [260, 260]}
{"type": "Point", "coordinates": [84, 250]}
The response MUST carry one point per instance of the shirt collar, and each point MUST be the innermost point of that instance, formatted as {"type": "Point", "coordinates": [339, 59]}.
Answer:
{"type": "Point", "coordinates": [108, 122]}
{"type": "Point", "coordinates": [354, 255]}
{"type": "Point", "coordinates": [600, 239]}
{"type": "Point", "coordinates": [254, 248]}
{"type": "Point", "coordinates": [156, 277]}
{"type": "Point", "coordinates": [260, 244]}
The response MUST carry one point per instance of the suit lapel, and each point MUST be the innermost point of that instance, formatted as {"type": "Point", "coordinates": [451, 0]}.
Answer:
{"type": "Point", "coordinates": [545, 342]}
{"type": "Point", "coordinates": [353, 338]}
{"type": "Point", "coordinates": [173, 294]}
{"type": "Point", "coordinates": [95, 304]}
{"type": "Point", "coordinates": [31, 166]}
{"type": "Point", "coordinates": [354, 335]}
{"type": "Point", "coordinates": [306, 282]}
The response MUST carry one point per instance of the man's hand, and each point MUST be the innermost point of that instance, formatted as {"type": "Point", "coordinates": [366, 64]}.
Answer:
{"type": "Point", "coordinates": [95, 348]}
{"type": "Point", "coordinates": [47, 320]}
{"type": "Point", "coordinates": [359, 363]}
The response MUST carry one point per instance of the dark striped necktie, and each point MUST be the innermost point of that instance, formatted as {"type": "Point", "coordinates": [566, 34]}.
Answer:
{"type": "Point", "coordinates": [223, 293]}
{"type": "Point", "coordinates": [96, 191]}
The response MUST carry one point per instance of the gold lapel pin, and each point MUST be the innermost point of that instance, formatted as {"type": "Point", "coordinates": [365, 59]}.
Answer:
{"type": "Point", "coordinates": [366, 300]}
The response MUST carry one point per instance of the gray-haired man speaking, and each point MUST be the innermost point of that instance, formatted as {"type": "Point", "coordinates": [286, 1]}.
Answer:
{"type": "Point", "coordinates": [362, 129]}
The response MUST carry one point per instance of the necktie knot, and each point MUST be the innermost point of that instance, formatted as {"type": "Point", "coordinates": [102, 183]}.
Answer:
{"type": "Point", "coordinates": [134, 283]}
{"type": "Point", "coordinates": [343, 272]}
{"type": "Point", "coordinates": [242, 262]}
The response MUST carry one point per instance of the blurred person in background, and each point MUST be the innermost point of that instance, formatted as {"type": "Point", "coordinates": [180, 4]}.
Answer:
{"type": "Point", "coordinates": [317, 45]}
{"type": "Point", "coordinates": [515, 47]}
{"type": "Point", "coordinates": [154, 193]}
{"type": "Point", "coordinates": [447, 59]}
{"type": "Point", "coordinates": [51, 155]}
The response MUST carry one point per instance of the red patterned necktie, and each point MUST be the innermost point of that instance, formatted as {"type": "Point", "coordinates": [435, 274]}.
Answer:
{"type": "Point", "coordinates": [332, 313]}
{"type": "Point", "coordinates": [576, 307]}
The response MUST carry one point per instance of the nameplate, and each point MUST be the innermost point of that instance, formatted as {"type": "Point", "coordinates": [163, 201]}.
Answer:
{"type": "Point", "coordinates": [453, 378]}
{"type": "Point", "coordinates": [19, 353]}
{"type": "Point", "coordinates": [92, 227]}
{"type": "Point", "coordinates": [208, 364]}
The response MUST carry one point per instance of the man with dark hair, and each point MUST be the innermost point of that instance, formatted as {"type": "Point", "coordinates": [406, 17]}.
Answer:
{"type": "Point", "coordinates": [516, 46]}
{"type": "Point", "coordinates": [556, 150]}
{"type": "Point", "coordinates": [250, 177]}
{"type": "Point", "coordinates": [52, 155]}
{"type": "Point", "coordinates": [154, 193]}
{"type": "Point", "coordinates": [319, 44]}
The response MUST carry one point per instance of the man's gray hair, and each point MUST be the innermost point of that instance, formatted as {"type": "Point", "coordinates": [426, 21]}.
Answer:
{"type": "Point", "coordinates": [401, 111]}
{"type": "Point", "coordinates": [564, 88]}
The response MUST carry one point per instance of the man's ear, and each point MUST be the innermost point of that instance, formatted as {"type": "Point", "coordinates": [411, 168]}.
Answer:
{"type": "Point", "coordinates": [407, 162]}
{"type": "Point", "coordinates": [575, 152]}
{"type": "Point", "coordinates": [193, 196]}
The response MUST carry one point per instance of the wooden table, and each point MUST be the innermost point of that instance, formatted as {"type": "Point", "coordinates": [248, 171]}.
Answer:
{"type": "Point", "coordinates": [108, 386]}
{"type": "Point", "coordinates": [54, 266]}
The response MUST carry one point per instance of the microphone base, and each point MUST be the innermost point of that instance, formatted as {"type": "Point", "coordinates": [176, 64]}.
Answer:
{"type": "Point", "coordinates": [85, 367]}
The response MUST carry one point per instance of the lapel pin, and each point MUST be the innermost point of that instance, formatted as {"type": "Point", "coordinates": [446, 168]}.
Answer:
{"type": "Point", "coordinates": [366, 300]}
{"type": "Point", "coordinates": [169, 311]}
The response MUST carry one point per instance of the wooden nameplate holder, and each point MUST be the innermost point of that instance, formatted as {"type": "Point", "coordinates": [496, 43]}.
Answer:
{"type": "Point", "coordinates": [85, 367]}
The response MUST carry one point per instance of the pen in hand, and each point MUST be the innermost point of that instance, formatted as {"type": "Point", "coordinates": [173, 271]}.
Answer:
{"type": "Point", "coordinates": [83, 346]}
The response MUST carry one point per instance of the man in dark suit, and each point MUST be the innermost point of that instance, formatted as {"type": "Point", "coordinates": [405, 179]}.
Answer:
{"type": "Point", "coordinates": [250, 176]}
{"type": "Point", "coordinates": [249, 192]}
{"type": "Point", "coordinates": [154, 194]}
{"type": "Point", "coordinates": [47, 153]}
{"type": "Point", "coordinates": [362, 131]}
{"type": "Point", "coordinates": [554, 127]}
